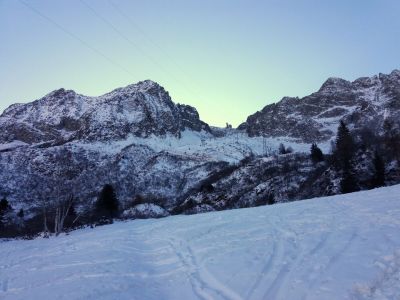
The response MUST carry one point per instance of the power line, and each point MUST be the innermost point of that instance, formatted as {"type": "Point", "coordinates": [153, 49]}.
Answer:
{"type": "Point", "coordinates": [36, 11]}
{"type": "Point", "coordinates": [135, 45]}
{"type": "Point", "coordinates": [95, 50]}
{"type": "Point", "coordinates": [138, 28]}
{"type": "Point", "coordinates": [112, 26]}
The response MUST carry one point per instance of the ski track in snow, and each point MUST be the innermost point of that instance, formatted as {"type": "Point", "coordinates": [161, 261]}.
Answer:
{"type": "Point", "coordinates": [342, 247]}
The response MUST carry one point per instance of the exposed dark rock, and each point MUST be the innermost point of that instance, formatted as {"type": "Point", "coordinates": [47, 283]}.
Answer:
{"type": "Point", "coordinates": [363, 102]}
{"type": "Point", "coordinates": [190, 119]}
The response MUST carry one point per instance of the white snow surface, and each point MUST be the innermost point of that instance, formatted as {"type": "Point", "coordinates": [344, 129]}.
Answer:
{"type": "Point", "coordinates": [232, 147]}
{"type": "Point", "coordinates": [340, 247]}
{"type": "Point", "coordinates": [12, 145]}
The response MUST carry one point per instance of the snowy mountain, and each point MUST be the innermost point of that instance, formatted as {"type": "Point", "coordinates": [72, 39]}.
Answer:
{"type": "Point", "coordinates": [340, 247]}
{"type": "Point", "coordinates": [67, 138]}
{"type": "Point", "coordinates": [134, 138]}
{"type": "Point", "coordinates": [364, 102]}
{"type": "Point", "coordinates": [141, 109]}
{"type": "Point", "coordinates": [146, 146]}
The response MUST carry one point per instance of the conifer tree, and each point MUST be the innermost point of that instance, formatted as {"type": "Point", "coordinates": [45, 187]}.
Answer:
{"type": "Point", "coordinates": [344, 147]}
{"type": "Point", "coordinates": [271, 198]}
{"type": "Point", "coordinates": [4, 208]}
{"type": "Point", "coordinates": [72, 212]}
{"type": "Point", "coordinates": [348, 183]}
{"type": "Point", "coordinates": [107, 203]}
{"type": "Point", "coordinates": [282, 149]}
{"type": "Point", "coordinates": [391, 139]}
{"type": "Point", "coordinates": [343, 159]}
{"type": "Point", "coordinates": [378, 178]}
{"type": "Point", "coordinates": [316, 153]}
{"type": "Point", "coordinates": [21, 214]}
{"type": "Point", "coordinates": [4, 205]}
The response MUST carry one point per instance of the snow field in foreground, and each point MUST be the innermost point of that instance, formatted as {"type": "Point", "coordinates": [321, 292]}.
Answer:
{"type": "Point", "coordinates": [341, 247]}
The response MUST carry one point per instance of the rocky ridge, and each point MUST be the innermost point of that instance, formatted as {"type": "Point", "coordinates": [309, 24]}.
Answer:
{"type": "Point", "coordinates": [366, 101]}
{"type": "Point", "coordinates": [141, 109]}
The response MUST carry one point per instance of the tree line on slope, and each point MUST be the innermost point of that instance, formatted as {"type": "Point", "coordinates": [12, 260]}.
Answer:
{"type": "Point", "coordinates": [59, 217]}
{"type": "Point", "coordinates": [353, 150]}
{"type": "Point", "coordinates": [350, 151]}
{"type": "Point", "coordinates": [358, 160]}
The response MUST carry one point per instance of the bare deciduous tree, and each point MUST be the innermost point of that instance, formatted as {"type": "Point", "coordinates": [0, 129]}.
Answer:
{"type": "Point", "coordinates": [62, 210]}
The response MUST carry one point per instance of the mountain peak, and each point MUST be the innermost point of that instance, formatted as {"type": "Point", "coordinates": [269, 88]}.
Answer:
{"type": "Point", "coordinates": [146, 86]}
{"type": "Point", "coordinates": [147, 82]}
{"type": "Point", "coordinates": [150, 86]}
{"type": "Point", "coordinates": [139, 109]}
{"type": "Point", "coordinates": [334, 83]}
{"type": "Point", "coordinates": [61, 92]}
{"type": "Point", "coordinates": [395, 72]}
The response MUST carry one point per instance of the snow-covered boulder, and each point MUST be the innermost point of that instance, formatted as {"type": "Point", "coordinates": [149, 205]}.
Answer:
{"type": "Point", "coordinates": [144, 211]}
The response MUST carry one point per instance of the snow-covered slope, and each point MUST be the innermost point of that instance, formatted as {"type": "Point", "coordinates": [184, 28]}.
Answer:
{"type": "Point", "coordinates": [165, 167]}
{"type": "Point", "coordinates": [340, 247]}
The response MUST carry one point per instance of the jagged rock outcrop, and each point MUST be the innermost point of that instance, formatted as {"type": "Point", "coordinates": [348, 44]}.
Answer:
{"type": "Point", "coordinates": [314, 118]}
{"type": "Point", "coordinates": [141, 109]}
{"type": "Point", "coordinates": [190, 119]}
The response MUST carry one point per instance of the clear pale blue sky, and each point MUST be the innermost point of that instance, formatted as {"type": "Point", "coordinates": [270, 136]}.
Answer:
{"type": "Point", "coordinates": [228, 58]}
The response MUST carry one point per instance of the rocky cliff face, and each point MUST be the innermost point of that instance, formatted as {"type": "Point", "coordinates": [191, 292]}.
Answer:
{"type": "Point", "coordinates": [141, 109]}
{"type": "Point", "coordinates": [314, 118]}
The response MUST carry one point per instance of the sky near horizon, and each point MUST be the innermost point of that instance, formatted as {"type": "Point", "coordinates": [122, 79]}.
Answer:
{"type": "Point", "coordinates": [227, 58]}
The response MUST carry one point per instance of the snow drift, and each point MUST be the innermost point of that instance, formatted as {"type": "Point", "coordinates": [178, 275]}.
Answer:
{"type": "Point", "coordinates": [340, 247]}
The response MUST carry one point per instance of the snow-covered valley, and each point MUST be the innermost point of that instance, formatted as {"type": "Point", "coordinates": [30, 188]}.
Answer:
{"type": "Point", "coordinates": [340, 247]}
{"type": "Point", "coordinates": [233, 146]}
